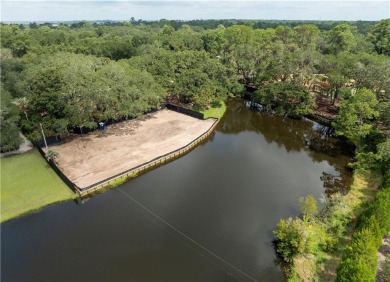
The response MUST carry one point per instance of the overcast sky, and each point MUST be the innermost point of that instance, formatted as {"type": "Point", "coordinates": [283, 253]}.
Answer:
{"type": "Point", "coordinates": [68, 10]}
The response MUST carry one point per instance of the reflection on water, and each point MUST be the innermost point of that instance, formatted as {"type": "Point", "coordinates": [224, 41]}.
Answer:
{"type": "Point", "coordinates": [318, 141]}
{"type": "Point", "coordinates": [227, 195]}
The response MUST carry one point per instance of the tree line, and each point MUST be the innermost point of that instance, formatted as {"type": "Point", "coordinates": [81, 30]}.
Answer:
{"type": "Point", "coordinates": [75, 76]}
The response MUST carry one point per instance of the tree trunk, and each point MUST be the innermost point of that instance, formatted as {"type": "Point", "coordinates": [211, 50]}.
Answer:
{"type": "Point", "coordinates": [336, 94]}
{"type": "Point", "coordinates": [25, 113]}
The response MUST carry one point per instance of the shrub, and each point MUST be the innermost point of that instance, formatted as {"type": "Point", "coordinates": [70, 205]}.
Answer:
{"type": "Point", "coordinates": [359, 262]}
{"type": "Point", "coordinates": [290, 238]}
{"type": "Point", "coordinates": [387, 269]}
{"type": "Point", "coordinates": [366, 161]}
{"type": "Point", "coordinates": [309, 207]}
{"type": "Point", "coordinates": [296, 236]}
{"type": "Point", "coordinates": [9, 137]}
{"type": "Point", "coordinates": [386, 179]}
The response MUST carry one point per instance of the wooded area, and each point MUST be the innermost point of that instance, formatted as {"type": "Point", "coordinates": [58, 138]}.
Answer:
{"type": "Point", "coordinates": [74, 76]}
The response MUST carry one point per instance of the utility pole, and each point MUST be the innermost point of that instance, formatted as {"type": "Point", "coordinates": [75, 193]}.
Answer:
{"type": "Point", "coordinates": [44, 138]}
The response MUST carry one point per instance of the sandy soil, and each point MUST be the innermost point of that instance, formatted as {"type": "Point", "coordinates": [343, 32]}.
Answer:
{"type": "Point", "coordinates": [87, 159]}
{"type": "Point", "coordinates": [383, 252]}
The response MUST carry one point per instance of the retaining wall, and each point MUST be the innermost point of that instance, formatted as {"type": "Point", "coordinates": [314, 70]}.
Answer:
{"type": "Point", "coordinates": [53, 165]}
{"type": "Point", "coordinates": [135, 170]}
{"type": "Point", "coordinates": [148, 165]}
{"type": "Point", "coordinates": [184, 111]}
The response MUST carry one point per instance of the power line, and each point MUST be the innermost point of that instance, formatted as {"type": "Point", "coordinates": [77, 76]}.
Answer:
{"type": "Point", "coordinates": [184, 235]}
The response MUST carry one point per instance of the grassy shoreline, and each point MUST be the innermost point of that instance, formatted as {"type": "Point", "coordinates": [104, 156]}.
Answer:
{"type": "Point", "coordinates": [28, 184]}
{"type": "Point", "coordinates": [363, 189]}
{"type": "Point", "coordinates": [321, 265]}
{"type": "Point", "coordinates": [215, 112]}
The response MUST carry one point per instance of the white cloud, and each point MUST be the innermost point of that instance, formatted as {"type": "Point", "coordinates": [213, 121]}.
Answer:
{"type": "Point", "coordinates": [56, 10]}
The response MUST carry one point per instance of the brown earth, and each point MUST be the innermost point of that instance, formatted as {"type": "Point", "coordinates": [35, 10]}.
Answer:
{"type": "Point", "coordinates": [383, 252]}
{"type": "Point", "coordinates": [87, 159]}
{"type": "Point", "coordinates": [325, 108]}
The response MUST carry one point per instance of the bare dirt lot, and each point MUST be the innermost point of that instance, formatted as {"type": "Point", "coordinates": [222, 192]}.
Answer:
{"type": "Point", "coordinates": [87, 159]}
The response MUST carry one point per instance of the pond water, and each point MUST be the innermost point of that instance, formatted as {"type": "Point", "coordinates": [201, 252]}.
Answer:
{"type": "Point", "coordinates": [207, 216]}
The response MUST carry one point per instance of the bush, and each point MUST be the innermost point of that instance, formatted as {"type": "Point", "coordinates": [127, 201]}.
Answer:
{"type": "Point", "coordinates": [290, 238]}
{"type": "Point", "coordinates": [386, 179]}
{"type": "Point", "coordinates": [377, 211]}
{"type": "Point", "coordinates": [366, 161]}
{"type": "Point", "coordinates": [309, 207]}
{"type": "Point", "coordinates": [387, 269]}
{"type": "Point", "coordinates": [9, 136]}
{"type": "Point", "coordinates": [309, 235]}
{"type": "Point", "coordinates": [360, 262]}
{"type": "Point", "coordinates": [9, 116]}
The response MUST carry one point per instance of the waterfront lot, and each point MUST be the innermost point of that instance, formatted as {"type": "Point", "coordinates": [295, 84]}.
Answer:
{"type": "Point", "coordinates": [90, 158]}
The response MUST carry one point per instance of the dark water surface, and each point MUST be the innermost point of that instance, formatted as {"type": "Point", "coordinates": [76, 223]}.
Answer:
{"type": "Point", "coordinates": [221, 202]}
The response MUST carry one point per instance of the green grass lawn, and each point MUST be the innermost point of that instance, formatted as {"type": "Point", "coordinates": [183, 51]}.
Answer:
{"type": "Point", "coordinates": [216, 112]}
{"type": "Point", "coordinates": [28, 183]}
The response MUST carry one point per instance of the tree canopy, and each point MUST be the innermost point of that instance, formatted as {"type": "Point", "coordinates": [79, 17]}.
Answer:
{"type": "Point", "coordinates": [66, 90]}
{"type": "Point", "coordinates": [356, 116]}
{"type": "Point", "coordinates": [74, 75]}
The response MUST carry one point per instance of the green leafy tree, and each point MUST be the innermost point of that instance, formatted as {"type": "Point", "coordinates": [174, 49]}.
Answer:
{"type": "Point", "coordinates": [356, 116]}
{"type": "Point", "coordinates": [284, 33]}
{"type": "Point", "coordinates": [214, 40]}
{"type": "Point", "coordinates": [183, 39]}
{"type": "Point", "coordinates": [337, 80]}
{"type": "Point", "coordinates": [189, 76]}
{"type": "Point", "coordinates": [9, 117]}
{"type": "Point", "coordinates": [380, 37]}
{"type": "Point", "coordinates": [384, 152]}
{"type": "Point", "coordinates": [369, 71]}
{"type": "Point", "coordinates": [68, 90]}
{"type": "Point", "coordinates": [285, 98]}
{"type": "Point", "coordinates": [291, 238]}
{"type": "Point", "coordinates": [385, 112]}
{"type": "Point", "coordinates": [309, 207]}
{"type": "Point", "coordinates": [22, 103]}
{"type": "Point", "coordinates": [359, 262]}
{"type": "Point", "coordinates": [342, 38]}
{"type": "Point", "coordinates": [11, 68]}
{"type": "Point", "coordinates": [306, 35]}
{"type": "Point", "coordinates": [283, 64]}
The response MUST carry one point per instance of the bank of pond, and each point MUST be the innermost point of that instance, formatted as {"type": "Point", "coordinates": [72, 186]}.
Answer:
{"type": "Point", "coordinates": [207, 216]}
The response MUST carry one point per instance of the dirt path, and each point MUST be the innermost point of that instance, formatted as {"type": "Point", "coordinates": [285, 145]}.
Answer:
{"type": "Point", "coordinates": [383, 252]}
{"type": "Point", "coordinates": [87, 159]}
{"type": "Point", "coordinates": [24, 147]}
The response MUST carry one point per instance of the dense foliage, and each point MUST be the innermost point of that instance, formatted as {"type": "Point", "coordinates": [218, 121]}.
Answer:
{"type": "Point", "coordinates": [360, 260]}
{"type": "Point", "coordinates": [66, 89]}
{"type": "Point", "coordinates": [356, 116]}
{"type": "Point", "coordinates": [9, 117]}
{"type": "Point", "coordinates": [68, 76]}
{"type": "Point", "coordinates": [303, 235]}
{"type": "Point", "coordinates": [285, 98]}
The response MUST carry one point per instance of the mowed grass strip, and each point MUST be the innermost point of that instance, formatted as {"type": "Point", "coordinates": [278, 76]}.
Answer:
{"type": "Point", "coordinates": [28, 183]}
{"type": "Point", "coordinates": [215, 112]}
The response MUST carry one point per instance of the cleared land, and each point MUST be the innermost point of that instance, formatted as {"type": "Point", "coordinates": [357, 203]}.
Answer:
{"type": "Point", "coordinates": [29, 183]}
{"type": "Point", "coordinates": [96, 156]}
